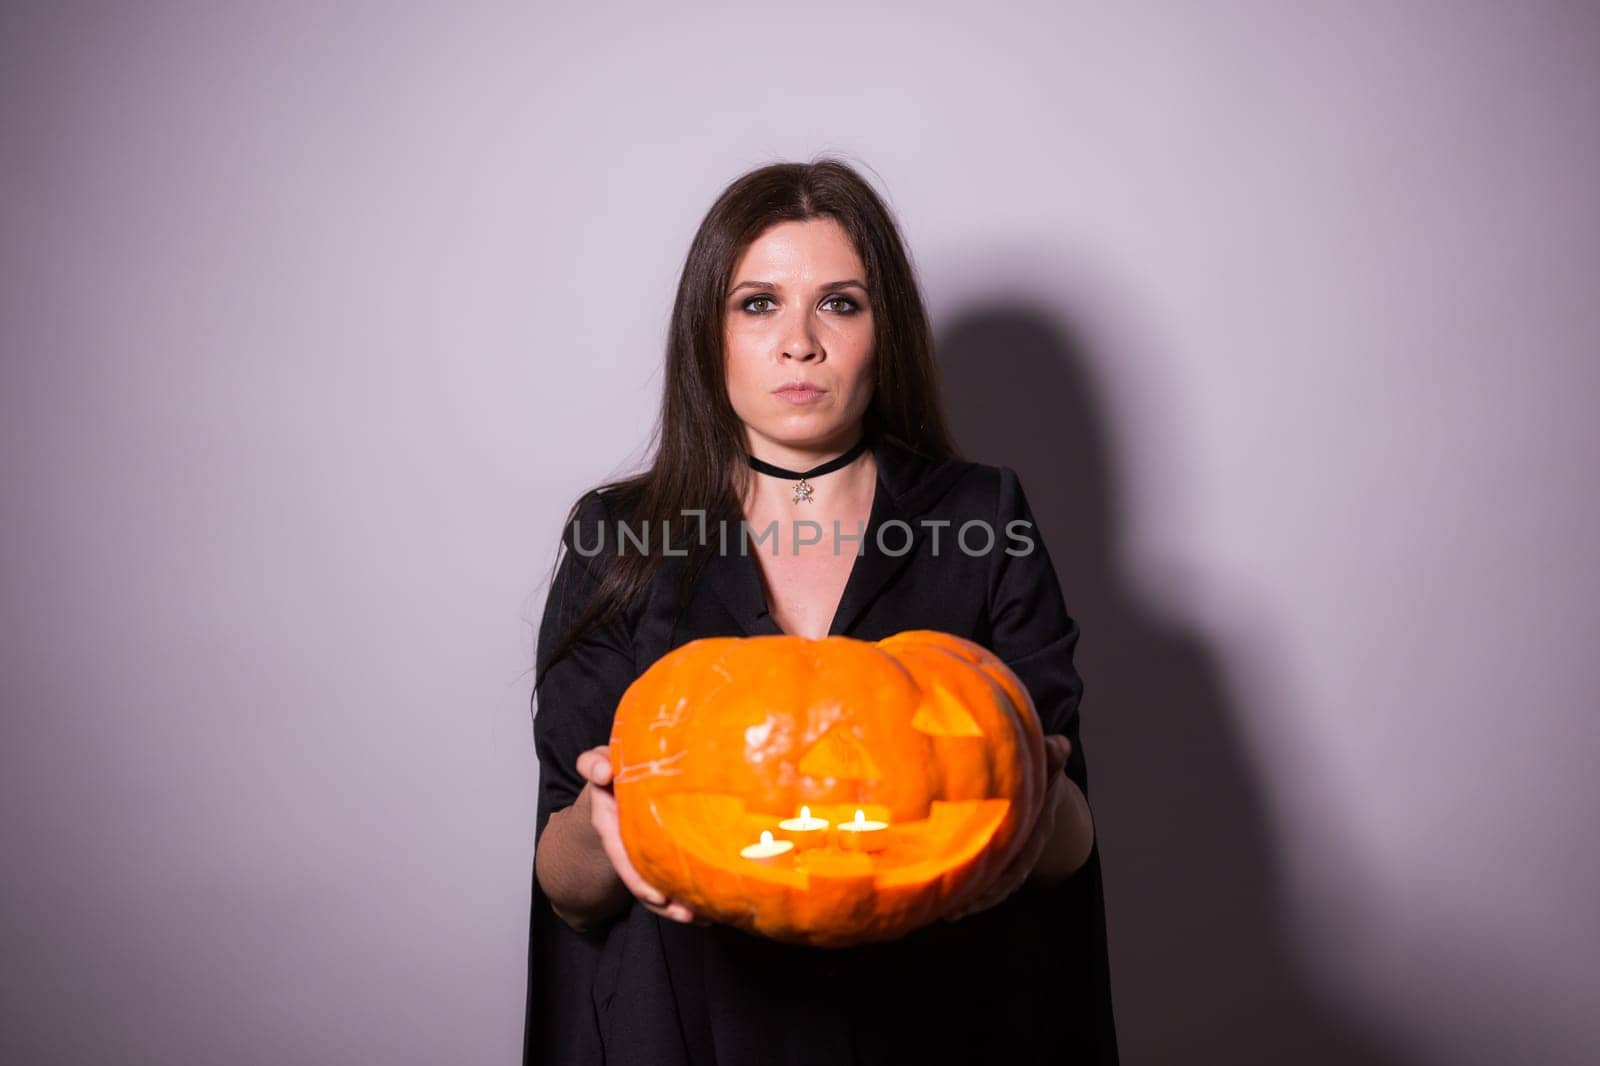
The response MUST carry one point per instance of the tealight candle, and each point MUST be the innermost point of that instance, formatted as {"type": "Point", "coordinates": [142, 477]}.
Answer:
{"type": "Point", "coordinates": [863, 835]}
{"type": "Point", "coordinates": [805, 831]}
{"type": "Point", "coordinates": [768, 849]}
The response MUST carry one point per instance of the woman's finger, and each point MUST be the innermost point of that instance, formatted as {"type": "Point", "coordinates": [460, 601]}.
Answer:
{"type": "Point", "coordinates": [594, 765]}
{"type": "Point", "coordinates": [641, 888]}
{"type": "Point", "coordinates": [677, 912]}
{"type": "Point", "coordinates": [1057, 750]}
{"type": "Point", "coordinates": [649, 896]}
{"type": "Point", "coordinates": [603, 815]}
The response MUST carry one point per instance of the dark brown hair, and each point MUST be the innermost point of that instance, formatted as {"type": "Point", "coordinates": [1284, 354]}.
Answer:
{"type": "Point", "coordinates": [700, 461]}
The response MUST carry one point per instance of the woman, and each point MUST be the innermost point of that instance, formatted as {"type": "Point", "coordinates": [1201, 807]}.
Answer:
{"type": "Point", "coordinates": [800, 385]}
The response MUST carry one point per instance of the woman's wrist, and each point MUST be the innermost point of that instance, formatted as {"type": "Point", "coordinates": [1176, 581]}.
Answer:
{"type": "Point", "coordinates": [574, 871]}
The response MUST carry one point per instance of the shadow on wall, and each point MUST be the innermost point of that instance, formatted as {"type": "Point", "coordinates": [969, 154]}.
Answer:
{"type": "Point", "coordinates": [1201, 968]}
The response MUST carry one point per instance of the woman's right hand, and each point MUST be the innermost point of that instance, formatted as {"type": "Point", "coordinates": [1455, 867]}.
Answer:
{"type": "Point", "coordinates": [594, 766]}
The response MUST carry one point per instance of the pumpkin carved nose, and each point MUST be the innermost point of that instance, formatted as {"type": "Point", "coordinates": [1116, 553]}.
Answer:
{"type": "Point", "coordinates": [841, 756]}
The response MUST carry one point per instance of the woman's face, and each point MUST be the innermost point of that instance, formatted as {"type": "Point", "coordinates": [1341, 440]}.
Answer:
{"type": "Point", "coordinates": [797, 313]}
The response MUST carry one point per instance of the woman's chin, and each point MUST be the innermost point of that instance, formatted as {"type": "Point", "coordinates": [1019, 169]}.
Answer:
{"type": "Point", "coordinates": [812, 436]}
{"type": "Point", "coordinates": [813, 423]}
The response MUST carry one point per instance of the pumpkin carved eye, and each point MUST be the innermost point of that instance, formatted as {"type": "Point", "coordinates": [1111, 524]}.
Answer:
{"type": "Point", "coordinates": [930, 737]}
{"type": "Point", "coordinates": [942, 715]}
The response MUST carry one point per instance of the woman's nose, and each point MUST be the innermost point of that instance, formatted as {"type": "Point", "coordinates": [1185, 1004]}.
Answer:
{"type": "Point", "coordinates": [802, 342]}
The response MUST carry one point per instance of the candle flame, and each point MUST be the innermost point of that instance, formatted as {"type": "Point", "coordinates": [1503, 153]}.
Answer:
{"type": "Point", "coordinates": [805, 812]}
{"type": "Point", "coordinates": [766, 836]}
{"type": "Point", "coordinates": [860, 816]}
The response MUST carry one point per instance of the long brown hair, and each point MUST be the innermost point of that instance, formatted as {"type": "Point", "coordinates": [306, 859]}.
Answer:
{"type": "Point", "coordinates": [700, 460]}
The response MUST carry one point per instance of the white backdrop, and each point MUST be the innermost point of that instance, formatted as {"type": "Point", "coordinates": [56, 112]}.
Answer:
{"type": "Point", "coordinates": [1285, 313]}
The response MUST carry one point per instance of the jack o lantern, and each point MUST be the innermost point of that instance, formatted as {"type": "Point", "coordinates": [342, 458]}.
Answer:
{"type": "Point", "coordinates": [918, 758]}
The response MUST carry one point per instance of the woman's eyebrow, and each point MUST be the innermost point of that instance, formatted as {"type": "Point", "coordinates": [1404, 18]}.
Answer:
{"type": "Point", "coordinates": [845, 284]}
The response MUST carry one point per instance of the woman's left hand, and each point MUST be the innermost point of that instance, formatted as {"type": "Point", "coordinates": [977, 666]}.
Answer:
{"type": "Point", "coordinates": [1012, 876]}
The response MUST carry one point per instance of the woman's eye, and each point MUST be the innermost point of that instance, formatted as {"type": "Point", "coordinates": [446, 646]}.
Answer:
{"type": "Point", "coordinates": [841, 305]}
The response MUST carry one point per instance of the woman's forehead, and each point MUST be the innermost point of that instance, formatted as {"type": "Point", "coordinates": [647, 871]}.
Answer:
{"type": "Point", "coordinates": [813, 252]}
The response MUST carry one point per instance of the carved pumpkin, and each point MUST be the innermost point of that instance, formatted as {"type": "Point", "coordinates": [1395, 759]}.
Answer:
{"type": "Point", "coordinates": [723, 737]}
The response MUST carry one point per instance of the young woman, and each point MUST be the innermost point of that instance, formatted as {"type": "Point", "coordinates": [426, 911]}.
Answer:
{"type": "Point", "coordinates": [800, 385]}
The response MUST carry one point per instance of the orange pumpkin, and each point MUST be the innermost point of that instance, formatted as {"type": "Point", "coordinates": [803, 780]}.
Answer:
{"type": "Point", "coordinates": [724, 737]}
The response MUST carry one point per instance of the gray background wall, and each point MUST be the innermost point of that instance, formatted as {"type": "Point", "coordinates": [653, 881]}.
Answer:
{"type": "Point", "coordinates": [1285, 313]}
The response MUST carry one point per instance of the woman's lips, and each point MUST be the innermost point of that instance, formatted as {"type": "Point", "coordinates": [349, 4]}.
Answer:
{"type": "Point", "coordinates": [799, 394]}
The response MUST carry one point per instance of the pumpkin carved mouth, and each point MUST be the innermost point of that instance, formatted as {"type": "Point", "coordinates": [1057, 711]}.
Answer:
{"type": "Point", "coordinates": [725, 737]}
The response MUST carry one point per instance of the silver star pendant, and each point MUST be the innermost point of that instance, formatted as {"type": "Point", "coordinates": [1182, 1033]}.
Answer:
{"type": "Point", "coordinates": [803, 491]}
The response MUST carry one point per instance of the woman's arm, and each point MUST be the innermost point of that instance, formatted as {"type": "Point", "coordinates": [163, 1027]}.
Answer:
{"type": "Point", "coordinates": [1037, 638]}
{"type": "Point", "coordinates": [588, 877]}
{"type": "Point", "coordinates": [575, 702]}
{"type": "Point", "coordinates": [571, 864]}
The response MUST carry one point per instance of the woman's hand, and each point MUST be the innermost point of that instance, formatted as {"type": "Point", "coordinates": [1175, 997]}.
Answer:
{"type": "Point", "coordinates": [1016, 873]}
{"type": "Point", "coordinates": [594, 766]}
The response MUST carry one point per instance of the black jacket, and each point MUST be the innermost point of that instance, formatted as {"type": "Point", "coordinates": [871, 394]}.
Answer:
{"type": "Point", "coordinates": [1024, 982]}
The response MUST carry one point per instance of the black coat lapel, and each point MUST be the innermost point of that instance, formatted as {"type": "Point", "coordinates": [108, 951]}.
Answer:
{"type": "Point", "coordinates": [734, 579]}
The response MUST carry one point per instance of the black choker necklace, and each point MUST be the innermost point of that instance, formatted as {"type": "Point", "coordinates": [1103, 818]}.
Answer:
{"type": "Point", "coordinates": [803, 489]}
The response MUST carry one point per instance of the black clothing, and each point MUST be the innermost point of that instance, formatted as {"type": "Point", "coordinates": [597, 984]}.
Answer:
{"type": "Point", "coordinates": [1024, 982]}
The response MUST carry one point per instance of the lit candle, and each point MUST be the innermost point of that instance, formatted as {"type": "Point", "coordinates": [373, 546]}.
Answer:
{"type": "Point", "coordinates": [768, 849]}
{"type": "Point", "coordinates": [805, 831]}
{"type": "Point", "coordinates": [863, 835]}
